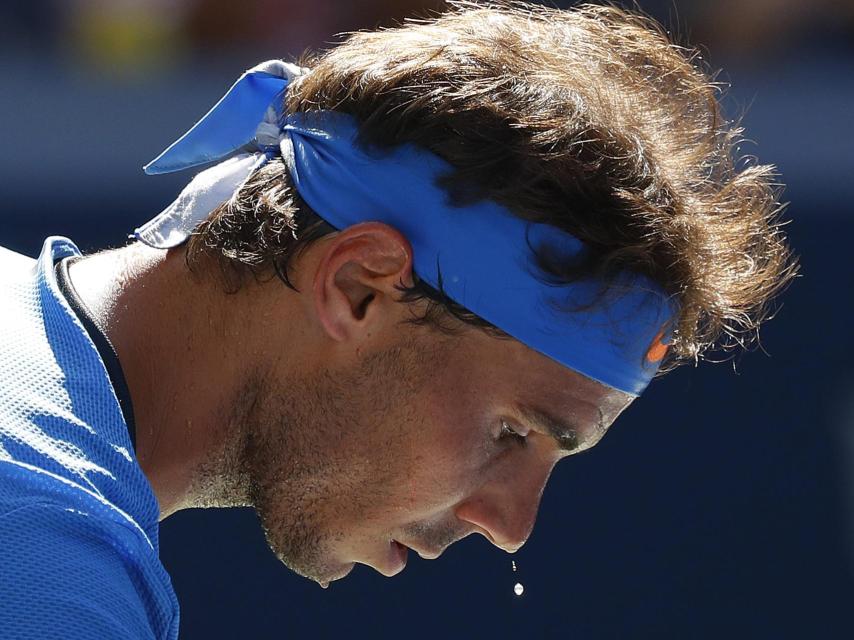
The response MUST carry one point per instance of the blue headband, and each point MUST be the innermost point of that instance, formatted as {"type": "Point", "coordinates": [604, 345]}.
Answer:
{"type": "Point", "coordinates": [481, 253]}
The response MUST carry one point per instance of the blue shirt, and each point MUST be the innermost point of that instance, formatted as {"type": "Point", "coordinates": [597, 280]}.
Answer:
{"type": "Point", "coordinates": [78, 518]}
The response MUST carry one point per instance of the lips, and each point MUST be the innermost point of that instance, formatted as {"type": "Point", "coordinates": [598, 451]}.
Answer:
{"type": "Point", "coordinates": [396, 560]}
{"type": "Point", "coordinates": [393, 560]}
{"type": "Point", "coordinates": [427, 554]}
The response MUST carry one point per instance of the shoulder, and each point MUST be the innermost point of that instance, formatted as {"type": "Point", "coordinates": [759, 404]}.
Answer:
{"type": "Point", "coordinates": [70, 566]}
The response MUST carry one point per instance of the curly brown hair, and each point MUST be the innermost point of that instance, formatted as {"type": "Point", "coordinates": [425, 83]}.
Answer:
{"type": "Point", "coordinates": [588, 119]}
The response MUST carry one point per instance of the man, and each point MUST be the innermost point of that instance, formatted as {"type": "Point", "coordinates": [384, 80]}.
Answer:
{"type": "Point", "coordinates": [495, 227]}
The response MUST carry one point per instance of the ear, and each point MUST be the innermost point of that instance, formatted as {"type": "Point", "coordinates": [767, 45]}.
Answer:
{"type": "Point", "coordinates": [356, 278]}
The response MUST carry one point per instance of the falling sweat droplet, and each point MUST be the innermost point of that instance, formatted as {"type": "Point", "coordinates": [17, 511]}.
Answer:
{"type": "Point", "coordinates": [518, 589]}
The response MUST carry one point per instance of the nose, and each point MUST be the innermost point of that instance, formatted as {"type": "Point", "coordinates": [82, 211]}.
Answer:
{"type": "Point", "coordinates": [504, 509]}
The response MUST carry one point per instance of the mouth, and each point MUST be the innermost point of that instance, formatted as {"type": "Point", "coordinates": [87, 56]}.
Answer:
{"type": "Point", "coordinates": [395, 560]}
{"type": "Point", "coordinates": [427, 554]}
{"type": "Point", "coordinates": [392, 562]}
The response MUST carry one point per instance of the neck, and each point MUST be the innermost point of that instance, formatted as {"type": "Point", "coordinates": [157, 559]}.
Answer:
{"type": "Point", "coordinates": [178, 348]}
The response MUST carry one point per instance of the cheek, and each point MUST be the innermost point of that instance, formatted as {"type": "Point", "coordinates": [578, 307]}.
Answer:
{"type": "Point", "coordinates": [454, 447]}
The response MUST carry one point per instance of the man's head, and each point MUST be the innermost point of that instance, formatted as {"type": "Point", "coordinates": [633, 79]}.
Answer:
{"type": "Point", "coordinates": [386, 411]}
{"type": "Point", "coordinates": [358, 429]}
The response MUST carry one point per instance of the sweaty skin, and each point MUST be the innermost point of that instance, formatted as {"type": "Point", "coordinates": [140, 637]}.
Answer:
{"type": "Point", "coordinates": [353, 434]}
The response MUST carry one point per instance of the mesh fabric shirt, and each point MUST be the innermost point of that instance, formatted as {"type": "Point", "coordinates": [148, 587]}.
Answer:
{"type": "Point", "coordinates": [78, 518]}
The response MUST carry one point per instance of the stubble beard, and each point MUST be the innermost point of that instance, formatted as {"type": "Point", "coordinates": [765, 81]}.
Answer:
{"type": "Point", "coordinates": [297, 460]}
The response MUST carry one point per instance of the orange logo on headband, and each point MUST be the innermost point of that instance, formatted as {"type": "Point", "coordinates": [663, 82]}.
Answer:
{"type": "Point", "coordinates": [657, 350]}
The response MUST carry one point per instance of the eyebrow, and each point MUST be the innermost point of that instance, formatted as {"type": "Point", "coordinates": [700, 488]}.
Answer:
{"type": "Point", "coordinates": [565, 434]}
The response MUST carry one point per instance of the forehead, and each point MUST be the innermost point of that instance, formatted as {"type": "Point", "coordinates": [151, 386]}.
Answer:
{"type": "Point", "coordinates": [527, 378]}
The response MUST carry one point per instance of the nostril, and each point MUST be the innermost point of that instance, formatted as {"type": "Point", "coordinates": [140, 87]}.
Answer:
{"type": "Point", "coordinates": [502, 530]}
{"type": "Point", "coordinates": [513, 548]}
{"type": "Point", "coordinates": [486, 535]}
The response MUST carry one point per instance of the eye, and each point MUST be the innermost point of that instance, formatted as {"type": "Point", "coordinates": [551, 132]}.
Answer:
{"type": "Point", "coordinates": [507, 431]}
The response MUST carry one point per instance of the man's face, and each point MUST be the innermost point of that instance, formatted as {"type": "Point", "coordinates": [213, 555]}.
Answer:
{"type": "Point", "coordinates": [413, 445]}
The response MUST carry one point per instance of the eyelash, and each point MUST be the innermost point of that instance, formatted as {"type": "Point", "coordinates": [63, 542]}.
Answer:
{"type": "Point", "coordinates": [509, 432]}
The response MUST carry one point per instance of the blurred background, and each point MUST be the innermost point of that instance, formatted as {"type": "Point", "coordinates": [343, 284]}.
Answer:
{"type": "Point", "coordinates": [721, 505]}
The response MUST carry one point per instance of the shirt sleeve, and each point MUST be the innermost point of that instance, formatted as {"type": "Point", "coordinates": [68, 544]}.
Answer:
{"type": "Point", "coordinates": [67, 574]}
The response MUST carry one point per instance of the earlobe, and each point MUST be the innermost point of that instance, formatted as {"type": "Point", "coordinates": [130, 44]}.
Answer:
{"type": "Point", "coordinates": [358, 272]}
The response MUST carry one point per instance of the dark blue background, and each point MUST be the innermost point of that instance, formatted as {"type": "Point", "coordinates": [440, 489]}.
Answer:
{"type": "Point", "coordinates": [720, 505]}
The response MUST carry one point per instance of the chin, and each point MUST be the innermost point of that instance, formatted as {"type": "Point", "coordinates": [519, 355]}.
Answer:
{"type": "Point", "coordinates": [342, 571]}
{"type": "Point", "coordinates": [315, 565]}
